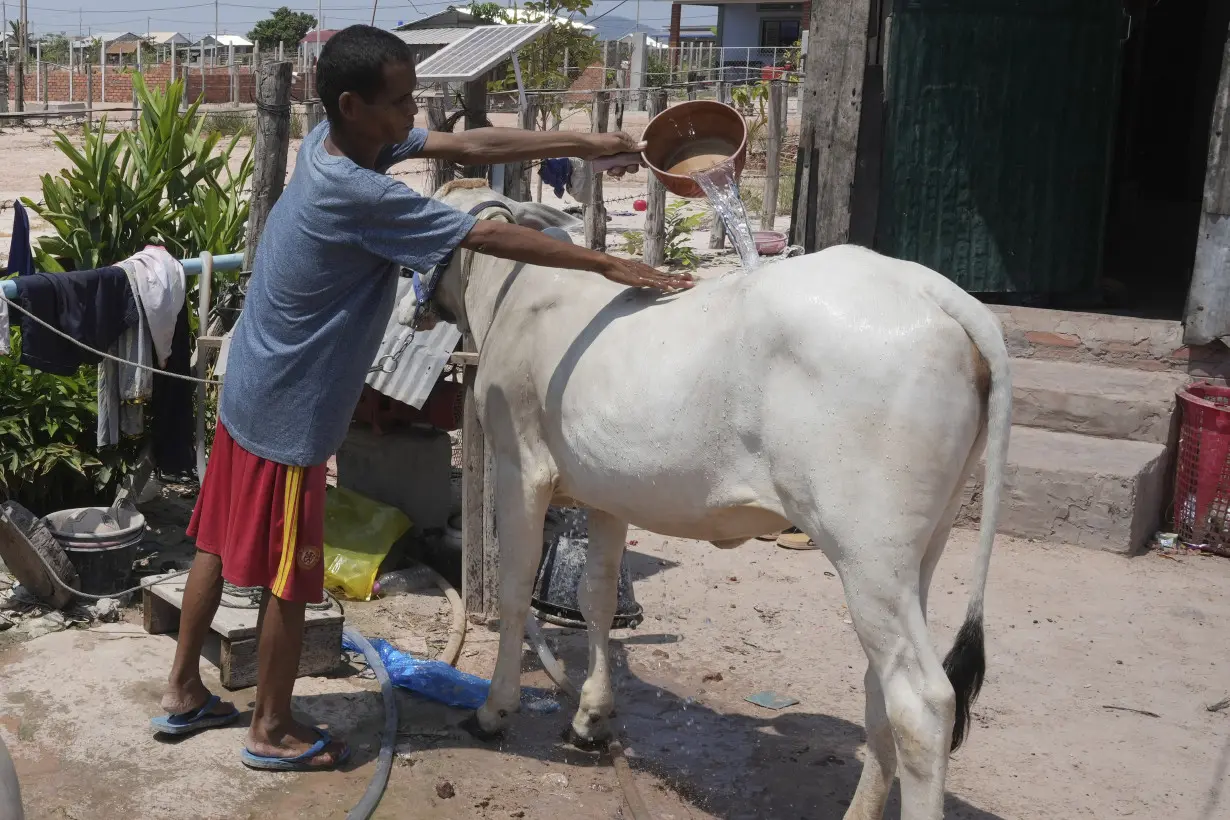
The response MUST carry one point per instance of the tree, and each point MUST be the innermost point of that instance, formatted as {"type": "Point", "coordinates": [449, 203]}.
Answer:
{"type": "Point", "coordinates": [55, 49]}
{"type": "Point", "coordinates": [283, 26]}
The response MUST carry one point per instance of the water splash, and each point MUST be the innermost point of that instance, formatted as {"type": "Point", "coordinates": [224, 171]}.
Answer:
{"type": "Point", "coordinates": [720, 185]}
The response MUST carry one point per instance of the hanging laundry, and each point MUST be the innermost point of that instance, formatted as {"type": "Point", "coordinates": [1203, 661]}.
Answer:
{"type": "Point", "coordinates": [160, 289]}
{"type": "Point", "coordinates": [93, 307]}
{"type": "Point", "coordinates": [4, 328]}
{"type": "Point", "coordinates": [125, 389]}
{"type": "Point", "coordinates": [174, 425]}
{"type": "Point", "coordinates": [21, 259]}
{"type": "Point", "coordinates": [557, 173]}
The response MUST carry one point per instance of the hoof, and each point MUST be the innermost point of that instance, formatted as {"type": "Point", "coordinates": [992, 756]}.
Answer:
{"type": "Point", "coordinates": [583, 743]}
{"type": "Point", "coordinates": [476, 731]}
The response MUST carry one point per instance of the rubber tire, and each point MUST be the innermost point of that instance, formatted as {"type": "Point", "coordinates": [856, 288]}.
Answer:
{"type": "Point", "coordinates": [20, 530]}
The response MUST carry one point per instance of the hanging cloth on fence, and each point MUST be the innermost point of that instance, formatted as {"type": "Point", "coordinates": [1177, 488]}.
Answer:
{"type": "Point", "coordinates": [124, 390]}
{"type": "Point", "coordinates": [557, 173]}
{"type": "Point", "coordinates": [94, 307]}
{"type": "Point", "coordinates": [174, 427]}
{"type": "Point", "coordinates": [21, 258]}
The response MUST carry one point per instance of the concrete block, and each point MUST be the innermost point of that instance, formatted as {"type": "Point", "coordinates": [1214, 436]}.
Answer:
{"type": "Point", "coordinates": [1074, 489]}
{"type": "Point", "coordinates": [1108, 402]}
{"type": "Point", "coordinates": [409, 470]}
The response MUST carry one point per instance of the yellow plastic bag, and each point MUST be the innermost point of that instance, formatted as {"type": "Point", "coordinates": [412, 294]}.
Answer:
{"type": "Point", "coordinates": [359, 533]}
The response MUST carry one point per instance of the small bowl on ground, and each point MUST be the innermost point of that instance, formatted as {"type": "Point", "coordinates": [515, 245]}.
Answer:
{"type": "Point", "coordinates": [769, 243]}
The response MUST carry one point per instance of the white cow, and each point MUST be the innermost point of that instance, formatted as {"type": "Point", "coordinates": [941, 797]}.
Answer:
{"type": "Point", "coordinates": [843, 392]}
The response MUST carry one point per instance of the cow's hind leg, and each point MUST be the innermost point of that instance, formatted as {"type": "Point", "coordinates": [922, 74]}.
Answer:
{"type": "Point", "coordinates": [521, 507]}
{"type": "Point", "coordinates": [599, 598]}
{"type": "Point", "coordinates": [914, 706]}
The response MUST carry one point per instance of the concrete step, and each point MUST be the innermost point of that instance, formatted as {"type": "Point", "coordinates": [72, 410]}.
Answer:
{"type": "Point", "coordinates": [1108, 402]}
{"type": "Point", "coordinates": [1083, 490]}
{"type": "Point", "coordinates": [1119, 341]}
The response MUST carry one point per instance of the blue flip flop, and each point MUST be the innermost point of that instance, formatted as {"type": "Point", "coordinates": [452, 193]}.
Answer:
{"type": "Point", "coordinates": [186, 723]}
{"type": "Point", "coordinates": [299, 763]}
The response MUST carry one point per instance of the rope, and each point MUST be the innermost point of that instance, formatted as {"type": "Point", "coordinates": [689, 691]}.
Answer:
{"type": "Point", "coordinates": [107, 356]}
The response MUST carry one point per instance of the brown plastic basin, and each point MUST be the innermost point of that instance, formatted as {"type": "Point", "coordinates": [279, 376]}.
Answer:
{"type": "Point", "coordinates": [688, 130]}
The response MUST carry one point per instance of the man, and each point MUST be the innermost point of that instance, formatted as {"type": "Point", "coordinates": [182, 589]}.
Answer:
{"type": "Point", "coordinates": [321, 294]}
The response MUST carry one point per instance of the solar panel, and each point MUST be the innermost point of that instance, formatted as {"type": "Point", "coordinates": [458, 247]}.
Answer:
{"type": "Point", "coordinates": [479, 51]}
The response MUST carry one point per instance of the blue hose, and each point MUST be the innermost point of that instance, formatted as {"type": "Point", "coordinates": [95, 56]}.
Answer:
{"type": "Point", "coordinates": [384, 763]}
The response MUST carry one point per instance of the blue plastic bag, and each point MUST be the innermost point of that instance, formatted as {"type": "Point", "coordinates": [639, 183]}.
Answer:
{"type": "Point", "coordinates": [441, 682]}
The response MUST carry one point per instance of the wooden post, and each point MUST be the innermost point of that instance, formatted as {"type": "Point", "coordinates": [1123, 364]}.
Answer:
{"type": "Point", "coordinates": [441, 170]}
{"type": "Point", "coordinates": [595, 210]}
{"type": "Point", "coordinates": [4, 86]}
{"type": "Point", "coordinates": [270, 149]}
{"type": "Point", "coordinates": [620, 97]}
{"type": "Point", "coordinates": [476, 116]}
{"type": "Point", "coordinates": [174, 50]}
{"type": "Point", "coordinates": [315, 115]}
{"type": "Point", "coordinates": [45, 85]}
{"type": "Point", "coordinates": [231, 75]}
{"type": "Point", "coordinates": [831, 105]}
{"type": "Point", "coordinates": [773, 159]}
{"type": "Point", "coordinates": [479, 541]}
{"type": "Point", "coordinates": [1207, 316]}
{"type": "Point", "coordinates": [72, 97]}
{"type": "Point", "coordinates": [516, 174]}
{"type": "Point", "coordinates": [136, 113]}
{"type": "Point", "coordinates": [89, 93]}
{"type": "Point", "coordinates": [655, 213]}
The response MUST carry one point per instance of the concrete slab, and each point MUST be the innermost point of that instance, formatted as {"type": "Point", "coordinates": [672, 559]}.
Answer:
{"type": "Point", "coordinates": [1093, 492]}
{"type": "Point", "coordinates": [1091, 400]}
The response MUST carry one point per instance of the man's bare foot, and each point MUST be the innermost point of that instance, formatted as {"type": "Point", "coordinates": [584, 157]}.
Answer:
{"type": "Point", "coordinates": [291, 740]}
{"type": "Point", "coordinates": [190, 696]}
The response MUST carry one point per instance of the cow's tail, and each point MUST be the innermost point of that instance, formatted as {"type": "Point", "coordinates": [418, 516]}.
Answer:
{"type": "Point", "coordinates": [966, 662]}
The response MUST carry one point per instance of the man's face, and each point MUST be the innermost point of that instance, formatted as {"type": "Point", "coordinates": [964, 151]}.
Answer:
{"type": "Point", "coordinates": [389, 116]}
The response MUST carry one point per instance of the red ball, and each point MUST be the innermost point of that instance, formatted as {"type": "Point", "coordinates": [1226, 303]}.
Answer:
{"type": "Point", "coordinates": [640, 205]}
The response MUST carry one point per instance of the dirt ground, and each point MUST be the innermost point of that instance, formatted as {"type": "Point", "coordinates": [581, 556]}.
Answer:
{"type": "Point", "coordinates": [1075, 639]}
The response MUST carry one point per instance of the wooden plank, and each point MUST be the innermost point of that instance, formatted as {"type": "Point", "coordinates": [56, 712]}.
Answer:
{"type": "Point", "coordinates": [270, 150]}
{"type": "Point", "coordinates": [473, 460]}
{"type": "Point", "coordinates": [655, 198]}
{"type": "Point", "coordinates": [595, 210]}
{"type": "Point", "coordinates": [158, 616]}
{"type": "Point", "coordinates": [441, 169]}
{"type": "Point", "coordinates": [232, 623]}
{"type": "Point", "coordinates": [773, 151]}
{"type": "Point", "coordinates": [1207, 316]}
{"type": "Point", "coordinates": [464, 358]}
{"type": "Point", "coordinates": [322, 650]}
{"type": "Point", "coordinates": [516, 174]}
{"type": "Point", "coordinates": [831, 104]}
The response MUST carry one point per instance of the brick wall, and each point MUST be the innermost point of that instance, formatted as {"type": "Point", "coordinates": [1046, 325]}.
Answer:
{"type": "Point", "coordinates": [216, 84]}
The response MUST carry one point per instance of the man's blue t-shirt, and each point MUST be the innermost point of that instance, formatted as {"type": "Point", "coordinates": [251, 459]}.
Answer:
{"type": "Point", "coordinates": [323, 285]}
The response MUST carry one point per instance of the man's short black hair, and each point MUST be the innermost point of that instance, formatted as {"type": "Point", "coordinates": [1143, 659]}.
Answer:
{"type": "Point", "coordinates": [354, 60]}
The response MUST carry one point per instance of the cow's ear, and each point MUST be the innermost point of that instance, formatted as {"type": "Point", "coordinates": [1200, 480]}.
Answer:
{"type": "Point", "coordinates": [538, 216]}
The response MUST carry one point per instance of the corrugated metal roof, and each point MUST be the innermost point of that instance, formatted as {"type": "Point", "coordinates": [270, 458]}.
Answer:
{"type": "Point", "coordinates": [420, 365]}
{"type": "Point", "coordinates": [431, 36]}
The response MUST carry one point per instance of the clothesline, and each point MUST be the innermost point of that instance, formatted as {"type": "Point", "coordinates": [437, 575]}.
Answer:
{"type": "Point", "coordinates": [192, 267]}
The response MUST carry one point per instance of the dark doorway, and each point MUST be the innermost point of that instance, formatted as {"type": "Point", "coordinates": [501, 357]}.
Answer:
{"type": "Point", "coordinates": [1171, 63]}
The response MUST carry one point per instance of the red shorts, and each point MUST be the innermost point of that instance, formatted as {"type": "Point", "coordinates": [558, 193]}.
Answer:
{"type": "Point", "coordinates": [265, 520]}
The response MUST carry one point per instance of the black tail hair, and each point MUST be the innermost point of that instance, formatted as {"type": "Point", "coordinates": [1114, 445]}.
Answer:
{"type": "Point", "coordinates": [966, 665]}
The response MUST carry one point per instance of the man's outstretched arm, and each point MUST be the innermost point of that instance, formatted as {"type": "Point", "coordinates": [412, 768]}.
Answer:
{"type": "Point", "coordinates": [486, 146]}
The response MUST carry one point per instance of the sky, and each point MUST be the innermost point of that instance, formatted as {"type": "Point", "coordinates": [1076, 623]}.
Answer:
{"type": "Point", "coordinates": [196, 17]}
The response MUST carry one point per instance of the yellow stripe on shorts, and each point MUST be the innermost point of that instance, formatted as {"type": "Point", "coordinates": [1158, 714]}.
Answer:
{"type": "Point", "coordinates": [290, 528]}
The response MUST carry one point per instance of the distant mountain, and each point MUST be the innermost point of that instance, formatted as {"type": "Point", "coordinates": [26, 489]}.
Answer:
{"type": "Point", "coordinates": [612, 27]}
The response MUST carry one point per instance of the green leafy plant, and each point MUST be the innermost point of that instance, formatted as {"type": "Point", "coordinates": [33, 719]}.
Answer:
{"type": "Point", "coordinates": [167, 183]}
{"type": "Point", "coordinates": [634, 243]}
{"type": "Point", "coordinates": [47, 433]}
{"type": "Point", "coordinates": [679, 226]}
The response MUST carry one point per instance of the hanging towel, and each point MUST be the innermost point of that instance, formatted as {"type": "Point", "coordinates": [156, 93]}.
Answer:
{"type": "Point", "coordinates": [93, 307]}
{"type": "Point", "coordinates": [557, 173]}
{"type": "Point", "coordinates": [123, 389]}
{"type": "Point", "coordinates": [21, 259]}
{"type": "Point", "coordinates": [160, 289]}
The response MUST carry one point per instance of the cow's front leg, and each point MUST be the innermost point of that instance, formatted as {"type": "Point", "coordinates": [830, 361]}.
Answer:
{"type": "Point", "coordinates": [599, 597]}
{"type": "Point", "coordinates": [520, 508]}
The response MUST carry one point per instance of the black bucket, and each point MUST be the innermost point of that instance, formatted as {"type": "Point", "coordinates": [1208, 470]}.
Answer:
{"type": "Point", "coordinates": [102, 545]}
{"type": "Point", "coordinates": [563, 566]}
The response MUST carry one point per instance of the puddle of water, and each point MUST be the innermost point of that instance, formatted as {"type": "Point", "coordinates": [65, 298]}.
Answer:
{"type": "Point", "coordinates": [720, 185]}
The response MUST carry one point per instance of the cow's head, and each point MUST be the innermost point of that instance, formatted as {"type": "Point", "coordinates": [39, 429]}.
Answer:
{"type": "Point", "coordinates": [470, 195]}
